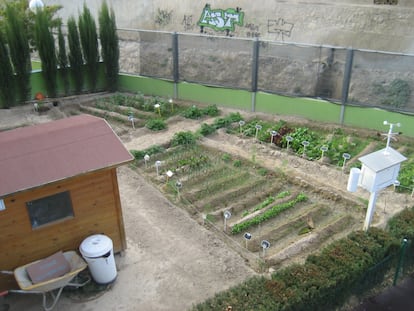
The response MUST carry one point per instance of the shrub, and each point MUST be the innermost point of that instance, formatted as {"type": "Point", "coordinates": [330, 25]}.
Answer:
{"type": "Point", "coordinates": [396, 94]}
{"type": "Point", "coordinates": [75, 54]}
{"type": "Point", "coordinates": [402, 225]}
{"type": "Point", "coordinates": [156, 124]}
{"type": "Point", "coordinates": [184, 138]}
{"type": "Point", "coordinates": [207, 129]}
{"type": "Point", "coordinates": [18, 46]}
{"type": "Point", "coordinates": [237, 163]}
{"type": "Point", "coordinates": [226, 157]}
{"type": "Point", "coordinates": [45, 45]}
{"type": "Point", "coordinates": [89, 41]}
{"type": "Point", "coordinates": [7, 83]}
{"type": "Point", "coordinates": [226, 121]}
{"type": "Point", "coordinates": [139, 154]}
{"type": "Point", "coordinates": [110, 46]}
{"type": "Point", "coordinates": [405, 177]}
{"type": "Point", "coordinates": [192, 113]}
{"type": "Point", "coordinates": [211, 111]}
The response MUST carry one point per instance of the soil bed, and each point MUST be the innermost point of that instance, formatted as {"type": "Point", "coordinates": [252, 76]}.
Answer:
{"type": "Point", "coordinates": [173, 238]}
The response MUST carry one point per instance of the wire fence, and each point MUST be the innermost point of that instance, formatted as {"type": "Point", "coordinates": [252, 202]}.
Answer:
{"type": "Point", "coordinates": [338, 74]}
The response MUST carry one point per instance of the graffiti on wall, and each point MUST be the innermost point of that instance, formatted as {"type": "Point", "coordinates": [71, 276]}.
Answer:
{"type": "Point", "coordinates": [252, 30]}
{"type": "Point", "coordinates": [220, 20]}
{"type": "Point", "coordinates": [187, 22]}
{"type": "Point", "coordinates": [280, 27]}
{"type": "Point", "coordinates": [163, 17]}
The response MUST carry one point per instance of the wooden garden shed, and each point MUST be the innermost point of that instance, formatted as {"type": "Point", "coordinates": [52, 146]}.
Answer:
{"type": "Point", "coordinates": [58, 185]}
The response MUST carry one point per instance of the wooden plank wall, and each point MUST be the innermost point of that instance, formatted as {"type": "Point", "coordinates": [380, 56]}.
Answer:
{"type": "Point", "coordinates": [97, 208]}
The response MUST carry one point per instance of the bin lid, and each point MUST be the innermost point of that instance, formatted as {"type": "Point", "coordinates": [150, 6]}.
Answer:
{"type": "Point", "coordinates": [96, 245]}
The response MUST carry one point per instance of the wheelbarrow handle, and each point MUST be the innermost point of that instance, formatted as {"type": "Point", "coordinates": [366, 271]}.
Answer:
{"type": "Point", "coordinates": [6, 272]}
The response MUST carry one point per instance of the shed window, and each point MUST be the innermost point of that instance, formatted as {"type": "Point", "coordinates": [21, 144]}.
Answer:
{"type": "Point", "coordinates": [50, 209]}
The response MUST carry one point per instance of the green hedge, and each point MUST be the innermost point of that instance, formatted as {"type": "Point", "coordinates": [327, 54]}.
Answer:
{"type": "Point", "coordinates": [326, 280]}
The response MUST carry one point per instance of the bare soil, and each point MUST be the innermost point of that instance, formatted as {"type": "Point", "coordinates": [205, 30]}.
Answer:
{"type": "Point", "coordinates": [173, 260]}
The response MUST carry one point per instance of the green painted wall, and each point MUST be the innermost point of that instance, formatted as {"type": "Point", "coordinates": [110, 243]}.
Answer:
{"type": "Point", "coordinates": [238, 99]}
{"type": "Point", "coordinates": [312, 109]}
{"type": "Point", "coordinates": [318, 110]}
{"type": "Point", "coordinates": [147, 86]}
{"type": "Point", "coordinates": [373, 118]}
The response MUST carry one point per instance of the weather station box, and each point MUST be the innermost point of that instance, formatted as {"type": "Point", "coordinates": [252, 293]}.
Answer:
{"type": "Point", "coordinates": [380, 169]}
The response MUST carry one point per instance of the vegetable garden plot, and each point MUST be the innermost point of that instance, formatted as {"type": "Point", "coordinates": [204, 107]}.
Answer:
{"type": "Point", "coordinates": [270, 206]}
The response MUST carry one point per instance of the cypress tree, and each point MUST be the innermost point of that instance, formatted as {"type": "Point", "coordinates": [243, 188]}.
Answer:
{"type": "Point", "coordinates": [63, 60]}
{"type": "Point", "coordinates": [7, 82]}
{"type": "Point", "coordinates": [18, 43]}
{"type": "Point", "coordinates": [75, 55]}
{"type": "Point", "coordinates": [109, 46]}
{"type": "Point", "coordinates": [45, 44]}
{"type": "Point", "coordinates": [89, 40]}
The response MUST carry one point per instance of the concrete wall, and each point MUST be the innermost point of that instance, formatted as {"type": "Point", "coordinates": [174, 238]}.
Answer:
{"type": "Point", "coordinates": [354, 23]}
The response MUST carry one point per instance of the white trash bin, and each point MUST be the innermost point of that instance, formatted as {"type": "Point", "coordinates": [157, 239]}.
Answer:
{"type": "Point", "coordinates": [97, 250]}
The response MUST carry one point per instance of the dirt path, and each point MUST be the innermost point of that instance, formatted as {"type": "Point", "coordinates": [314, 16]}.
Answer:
{"type": "Point", "coordinates": [171, 261]}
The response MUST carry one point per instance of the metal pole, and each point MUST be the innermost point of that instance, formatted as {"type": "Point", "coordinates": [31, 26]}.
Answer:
{"type": "Point", "coordinates": [370, 210]}
{"type": "Point", "coordinates": [175, 55]}
{"type": "Point", "coordinates": [255, 70]}
{"type": "Point", "coordinates": [400, 261]}
{"type": "Point", "coordinates": [346, 82]}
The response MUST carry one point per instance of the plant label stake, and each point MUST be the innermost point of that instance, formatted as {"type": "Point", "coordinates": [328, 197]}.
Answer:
{"type": "Point", "coordinates": [346, 156]}
{"type": "Point", "coordinates": [227, 216]}
{"type": "Point", "coordinates": [146, 159]}
{"type": "Point", "coordinates": [412, 192]}
{"type": "Point", "coordinates": [241, 123]}
{"type": "Point", "coordinates": [273, 134]}
{"type": "Point", "coordinates": [305, 143]}
{"type": "Point", "coordinates": [258, 128]}
{"type": "Point", "coordinates": [323, 150]}
{"type": "Point", "coordinates": [289, 139]}
{"type": "Point", "coordinates": [172, 104]}
{"type": "Point", "coordinates": [247, 236]}
{"type": "Point", "coordinates": [178, 185]}
{"type": "Point", "coordinates": [131, 118]}
{"type": "Point", "coordinates": [157, 107]}
{"type": "Point", "coordinates": [265, 245]}
{"type": "Point", "coordinates": [396, 184]}
{"type": "Point", "coordinates": [169, 175]}
{"type": "Point", "coordinates": [157, 165]}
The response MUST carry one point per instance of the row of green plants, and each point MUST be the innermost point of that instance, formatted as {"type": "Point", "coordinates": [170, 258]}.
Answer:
{"type": "Point", "coordinates": [23, 31]}
{"type": "Point", "coordinates": [273, 212]}
{"type": "Point", "coordinates": [162, 107]}
{"type": "Point", "coordinates": [266, 202]}
{"type": "Point", "coordinates": [156, 110]}
{"type": "Point", "coordinates": [350, 266]}
{"type": "Point", "coordinates": [337, 143]}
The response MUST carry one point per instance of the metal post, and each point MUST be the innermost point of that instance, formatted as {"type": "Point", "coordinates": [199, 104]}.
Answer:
{"type": "Point", "coordinates": [346, 82]}
{"type": "Point", "coordinates": [370, 210]}
{"type": "Point", "coordinates": [255, 71]}
{"type": "Point", "coordinates": [176, 74]}
{"type": "Point", "coordinates": [400, 260]}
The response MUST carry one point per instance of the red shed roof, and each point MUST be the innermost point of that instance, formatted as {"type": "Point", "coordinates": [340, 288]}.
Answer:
{"type": "Point", "coordinates": [40, 154]}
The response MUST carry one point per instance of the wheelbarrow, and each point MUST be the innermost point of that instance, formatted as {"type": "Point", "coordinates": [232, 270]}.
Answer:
{"type": "Point", "coordinates": [53, 287]}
